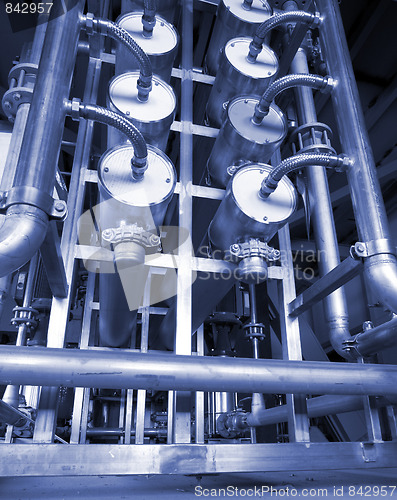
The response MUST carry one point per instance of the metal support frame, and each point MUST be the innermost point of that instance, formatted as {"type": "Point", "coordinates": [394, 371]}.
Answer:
{"type": "Point", "coordinates": [178, 455]}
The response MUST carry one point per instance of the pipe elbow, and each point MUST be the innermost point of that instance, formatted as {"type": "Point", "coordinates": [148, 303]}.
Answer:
{"type": "Point", "coordinates": [21, 235]}
{"type": "Point", "coordinates": [338, 334]}
{"type": "Point", "coordinates": [381, 271]}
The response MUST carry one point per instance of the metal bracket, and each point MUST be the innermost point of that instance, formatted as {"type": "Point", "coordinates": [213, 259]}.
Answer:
{"type": "Point", "coordinates": [373, 247]}
{"type": "Point", "coordinates": [131, 232]}
{"type": "Point", "coordinates": [27, 195]}
{"type": "Point", "coordinates": [369, 452]}
{"type": "Point", "coordinates": [254, 248]}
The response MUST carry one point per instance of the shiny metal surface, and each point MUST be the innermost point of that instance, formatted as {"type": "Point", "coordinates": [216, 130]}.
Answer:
{"type": "Point", "coordinates": [335, 305]}
{"type": "Point", "coordinates": [236, 76]}
{"type": "Point", "coordinates": [24, 227]}
{"type": "Point", "coordinates": [233, 20]}
{"type": "Point", "coordinates": [368, 205]}
{"type": "Point", "coordinates": [124, 201]}
{"type": "Point", "coordinates": [243, 214]}
{"type": "Point", "coordinates": [165, 8]}
{"type": "Point", "coordinates": [134, 202]}
{"type": "Point", "coordinates": [240, 140]}
{"type": "Point", "coordinates": [110, 369]}
{"type": "Point", "coordinates": [161, 47]}
{"type": "Point", "coordinates": [153, 118]}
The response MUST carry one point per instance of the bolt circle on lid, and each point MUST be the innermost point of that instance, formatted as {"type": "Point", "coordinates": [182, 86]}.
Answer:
{"type": "Point", "coordinates": [123, 95]}
{"type": "Point", "coordinates": [163, 40]}
{"type": "Point", "coordinates": [265, 66]}
{"type": "Point", "coordinates": [245, 188]}
{"type": "Point", "coordinates": [115, 177]}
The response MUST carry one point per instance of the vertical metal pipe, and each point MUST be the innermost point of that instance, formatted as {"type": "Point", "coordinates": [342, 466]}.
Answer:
{"type": "Point", "coordinates": [365, 190]}
{"type": "Point", "coordinates": [25, 225]}
{"type": "Point", "coordinates": [335, 306]}
{"type": "Point", "coordinates": [40, 146]}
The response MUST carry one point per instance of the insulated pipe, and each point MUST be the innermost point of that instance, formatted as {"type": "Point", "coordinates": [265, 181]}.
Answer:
{"type": "Point", "coordinates": [335, 307]}
{"type": "Point", "coordinates": [149, 17]}
{"type": "Point", "coordinates": [25, 224]}
{"type": "Point", "coordinates": [113, 30]}
{"type": "Point", "coordinates": [312, 20]}
{"type": "Point", "coordinates": [131, 370]}
{"type": "Point", "coordinates": [368, 205]}
{"type": "Point", "coordinates": [270, 183]}
{"type": "Point", "coordinates": [324, 84]}
{"type": "Point", "coordinates": [76, 109]}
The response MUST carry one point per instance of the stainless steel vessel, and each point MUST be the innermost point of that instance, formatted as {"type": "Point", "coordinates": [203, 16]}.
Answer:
{"type": "Point", "coordinates": [233, 20]}
{"type": "Point", "coordinates": [240, 140]}
{"type": "Point", "coordinates": [161, 47]}
{"type": "Point", "coordinates": [128, 216]}
{"type": "Point", "coordinates": [153, 118]}
{"type": "Point", "coordinates": [243, 214]}
{"type": "Point", "coordinates": [236, 76]}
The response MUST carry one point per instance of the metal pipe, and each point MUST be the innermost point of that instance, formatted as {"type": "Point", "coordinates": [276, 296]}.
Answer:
{"type": "Point", "coordinates": [11, 393]}
{"type": "Point", "coordinates": [372, 340]}
{"type": "Point", "coordinates": [312, 20]}
{"type": "Point", "coordinates": [25, 224]}
{"type": "Point", "coordinates": [324, 84]}
{"type": "Point", "coordinates": [335, 306]}
{"type": "Point", "coordinates": [110, 432]}
{"type": "Point", "coordinates": [316, 407]}
{"type": "Point", "coordinates": [368, 205]}
{"type": "Point", "coordinates": [130, 370]}
{"type": "Point", "coordinates": [271, 181]}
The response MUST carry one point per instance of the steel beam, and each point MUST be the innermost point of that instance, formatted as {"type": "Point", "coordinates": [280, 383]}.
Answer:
{"type": "Point", "coordinates": [336, 278]}
{"type": "Point", "coordinates": [120, 459]}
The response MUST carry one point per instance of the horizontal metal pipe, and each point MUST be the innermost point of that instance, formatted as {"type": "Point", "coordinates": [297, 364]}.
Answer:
{"type": "Point", "coordinates": [316, 407]}
{"type": "Point", "coordinates": [110, 432]}
{"type": "Point", "coordinates": [373, 340]}
{"type": "Point", "coordinates": [124, 370]}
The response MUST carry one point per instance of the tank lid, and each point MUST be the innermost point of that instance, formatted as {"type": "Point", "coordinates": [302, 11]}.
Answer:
{"type": "Point", "coordinates": [164, 39]}
{"type": "Point", "coordinates": [276, 208]}
{"type": "Point", "coordinates": [272, 129]}
{"type": "Point", "coordinates": [123, 94]}
{"type": "Point", "coordinates": [114, 174]}
{"type": "Point", "coordinates": [265, 66]}
{"type": "Point", "coordinates": [258, 13]}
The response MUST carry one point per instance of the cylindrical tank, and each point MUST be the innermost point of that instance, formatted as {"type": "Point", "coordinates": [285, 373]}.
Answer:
{"type": "Point", "coordinates": [240, 140]}
{"type": "Point", "coordinates": [128, 207]}
{"type": "Point", "coordinates": [233, 20]}
{"type": "Point", "coordinates": [153, 118]}
{"type": "Point", "coordinates": [243, 214]}
{"type": "Point", "coordinates": [161, 47]}
{"type": "Point", "coordinates": [165, 8]}
{"type": "Point", "coordinates": [236, 76]}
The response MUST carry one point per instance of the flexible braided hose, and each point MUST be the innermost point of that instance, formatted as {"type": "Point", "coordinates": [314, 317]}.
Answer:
{"type": "Point", "coordinates": [286, 82]}
{"type": "Point", "coordinates": [273, 22]}
{"type": "Point", "coordinates": [119, 121]}
{"type": "Point", "coordinates": [300, 161]}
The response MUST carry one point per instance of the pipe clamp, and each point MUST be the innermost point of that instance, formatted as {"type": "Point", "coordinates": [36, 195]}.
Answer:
{"type": "Point", "coordinates": [28, 195]}
{"type": "Point", "coordinates": [373, 247]}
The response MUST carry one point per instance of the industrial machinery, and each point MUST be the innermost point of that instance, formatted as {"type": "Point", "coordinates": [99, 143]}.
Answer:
{"type": "Point", "coordinates": [162, 310]}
